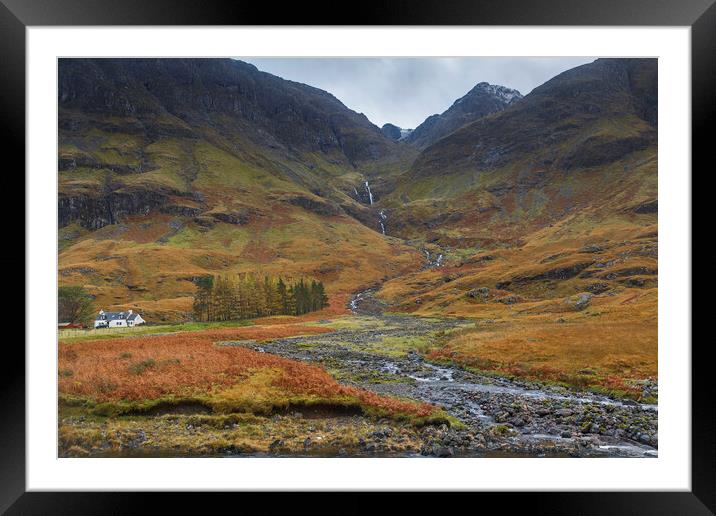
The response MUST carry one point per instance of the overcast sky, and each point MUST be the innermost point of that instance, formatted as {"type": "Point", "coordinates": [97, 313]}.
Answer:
{"type": "Point", "coordinates": [405, 91]}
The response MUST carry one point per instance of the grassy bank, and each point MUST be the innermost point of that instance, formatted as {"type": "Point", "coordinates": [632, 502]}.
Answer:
{"type": "Point", "coordinates": [150, 375]}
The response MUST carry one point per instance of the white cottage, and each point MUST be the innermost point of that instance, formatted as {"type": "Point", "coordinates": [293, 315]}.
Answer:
{"type": "Point", "coordinates": [118, 319]}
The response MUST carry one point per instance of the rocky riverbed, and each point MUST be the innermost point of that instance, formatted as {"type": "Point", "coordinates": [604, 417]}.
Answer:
{"type": "Point", "coordinates": [500, 416]}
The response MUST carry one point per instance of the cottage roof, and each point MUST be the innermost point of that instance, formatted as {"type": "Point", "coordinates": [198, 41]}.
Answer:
{"type": "Point", "coordinates": [115, 316]}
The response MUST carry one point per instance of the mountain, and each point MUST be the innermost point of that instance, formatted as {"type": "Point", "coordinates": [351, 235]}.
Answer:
{"type": "Point", "coordinates": [554, 196]}
{"type": "Point", "coordinates": [173, 169]}
{"type": "Point", "coordinates": [294, 133]}
{"type": "Point", "coordinates": [481, 100]}
{"type": "Point", "coordinates": [576, 140]}
{"type": "Point", "coordinates": [170, 169]}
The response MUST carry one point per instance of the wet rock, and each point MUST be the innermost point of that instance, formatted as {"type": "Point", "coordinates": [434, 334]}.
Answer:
{"type": "Point", "coordinates": [479, 293]}
{"type": "Point", "coordinates": [593, 248]}
{"type": "Point", "coordinates": [518, 422]}
{"type": "Point", "coordinates": [276, 444]}
{"type": "Point", "coordinates": [444, 452]}
{"type": "Point", "coordinates": [597, 288]}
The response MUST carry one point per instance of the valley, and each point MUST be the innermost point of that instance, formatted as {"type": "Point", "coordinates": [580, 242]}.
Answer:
{"type": "Point", "coordinates": [492, 275]}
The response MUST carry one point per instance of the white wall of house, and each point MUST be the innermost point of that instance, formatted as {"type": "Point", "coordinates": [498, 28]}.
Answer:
{"type": "Point", "coordinates": [119, 323]}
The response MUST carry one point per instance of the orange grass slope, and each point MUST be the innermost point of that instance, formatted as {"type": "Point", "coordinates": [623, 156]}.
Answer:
{"type": "Point", "coordinates": [612, 346]}
{"type": "Point", "coordinates": [133, 373]}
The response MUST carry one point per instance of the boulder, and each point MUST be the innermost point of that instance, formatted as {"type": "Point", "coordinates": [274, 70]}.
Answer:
{"type": "Point", "coordinates": [579, 301]}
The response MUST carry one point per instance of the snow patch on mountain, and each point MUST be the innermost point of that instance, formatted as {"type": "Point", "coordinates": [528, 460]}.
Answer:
{"type": "Point", "coordinates": [507, 94]}
{"type": "Point", "coordinates": [404, 133]}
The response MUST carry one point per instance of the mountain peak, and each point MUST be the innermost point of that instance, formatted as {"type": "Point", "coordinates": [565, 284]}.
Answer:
{"type": "Point", "coordinates": [483, 99]}
{"type": "Point", "coordinates": [509, 95]}
{"type": "Point", "coordinates": [394, 132]}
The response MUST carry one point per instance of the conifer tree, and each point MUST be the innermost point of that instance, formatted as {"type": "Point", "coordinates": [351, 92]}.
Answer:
{"type": "Point", "coordinates": [283, 295]}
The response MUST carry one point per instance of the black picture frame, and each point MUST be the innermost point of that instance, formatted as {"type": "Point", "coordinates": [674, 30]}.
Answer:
{"type": "Point", "coordinates": [17, 15]}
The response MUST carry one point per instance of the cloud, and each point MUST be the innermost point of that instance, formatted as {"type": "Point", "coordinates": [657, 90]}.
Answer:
{"type": "Point", "coordinates": [405, 91]}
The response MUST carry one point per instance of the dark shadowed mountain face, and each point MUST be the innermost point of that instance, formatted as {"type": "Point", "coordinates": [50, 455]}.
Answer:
{"type": "Point", "coordinates": [391, 131]}
{"type": "Point", "coordinates": [196, 96]}
{"type": "Point", "coordinates": [482, 100]}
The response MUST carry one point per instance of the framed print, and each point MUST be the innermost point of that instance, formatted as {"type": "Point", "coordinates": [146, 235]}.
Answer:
{"type": "Point", "coordinates": [437, 249]}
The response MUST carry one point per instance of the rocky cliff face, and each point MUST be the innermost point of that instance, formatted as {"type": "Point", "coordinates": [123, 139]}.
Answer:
{"type": "Point", "coordinates": [480, 101]}
{"type": "Point", "coordinates": [94, 211]}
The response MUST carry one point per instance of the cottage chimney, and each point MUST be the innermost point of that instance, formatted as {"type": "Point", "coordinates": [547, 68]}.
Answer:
{"type": "Point", "coordinates": [130, 312]}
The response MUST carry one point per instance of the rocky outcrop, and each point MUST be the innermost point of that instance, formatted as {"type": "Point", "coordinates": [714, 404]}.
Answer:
{"type": "Point", "coordinates": [94, 212]}
{"type": "Point", "coordinates": [580, 301]}
{"type": "Point", "coordinates": [558, 273]}
{"type": "Point", "coordinates": [236, 217]}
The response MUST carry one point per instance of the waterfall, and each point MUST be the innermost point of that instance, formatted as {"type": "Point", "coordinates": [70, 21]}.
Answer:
{"type": "Point", "coordinates": [356, 191]}
{"type": "Point", "coordinates": [370, 195]}
{"type": "Point", "coordinates": [383, 218]}
{"type": "Point", "coordinates": [436, 263]}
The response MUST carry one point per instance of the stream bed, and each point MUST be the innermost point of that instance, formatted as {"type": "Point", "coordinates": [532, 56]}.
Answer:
{"type": "Point", "coordinates": [502, 417]}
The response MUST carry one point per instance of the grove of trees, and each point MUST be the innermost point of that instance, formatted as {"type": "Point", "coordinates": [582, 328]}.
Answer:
{"type": "Point", "coordinates": [247, 296]}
